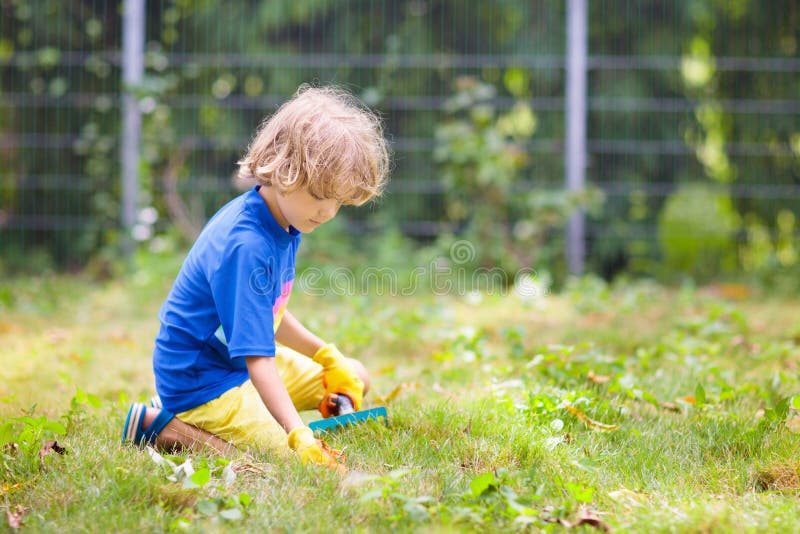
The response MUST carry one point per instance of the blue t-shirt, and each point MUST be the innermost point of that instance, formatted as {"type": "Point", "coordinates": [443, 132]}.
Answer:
{"type": "Point", "coordinates": [226, 302]}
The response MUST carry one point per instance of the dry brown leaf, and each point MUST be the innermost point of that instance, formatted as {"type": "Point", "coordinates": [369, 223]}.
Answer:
{"type": "Point", "coordinates": [11, 449]}
{"type": "Point", "coordinates": [335, 453]}
{"type": "Point", "coordinates": [395, 392]}
{"type": "Point", "coordinates": [5, 487]}
{"type": "Point", "coordinates": [591, 423]}
{"type": "Point", "coordinates": [730, 291]}
{"type": "Point", "coordinates": [10, 328]}
{"type": "Point", "coordinates": [50, 446]}
{"type": "Point", "coordinates": [671, 406]}
{"type": "Point", "coordinates": [586, 517]}
{"type": "Point", "coordinates": [252, 467]}
{"type": "Point", "coordinates": [598, 379]}
{"type": "Point", "coordinates": [14, 517]}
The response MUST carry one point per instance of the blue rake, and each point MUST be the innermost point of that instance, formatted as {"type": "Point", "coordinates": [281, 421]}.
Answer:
{"type": "Point", "coordinates": [347, 416]}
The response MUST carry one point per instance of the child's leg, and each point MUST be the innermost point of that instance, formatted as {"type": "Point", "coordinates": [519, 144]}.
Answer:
{"type": "Point", "coordinates": [303, 377]}
{"type": "Point", "coordinates": [239, 417]}
{"type": "Point", "coordinates": [177, 435]}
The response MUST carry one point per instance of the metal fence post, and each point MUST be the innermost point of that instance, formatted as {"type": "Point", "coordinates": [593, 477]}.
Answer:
{"type": "Point", "coordinates": [133, 35]}
{"type": "Point", "coordinates": [575, 142]}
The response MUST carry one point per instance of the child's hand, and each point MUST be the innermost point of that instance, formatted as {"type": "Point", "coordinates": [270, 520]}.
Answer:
{"type": "Point", "coordinates": [315, 451]}
{"type": "Point", "coordinates": [338, 378]}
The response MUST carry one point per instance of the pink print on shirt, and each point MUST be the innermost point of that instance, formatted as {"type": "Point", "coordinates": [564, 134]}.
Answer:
{"type": "Point", "coordinates": [280, 304]}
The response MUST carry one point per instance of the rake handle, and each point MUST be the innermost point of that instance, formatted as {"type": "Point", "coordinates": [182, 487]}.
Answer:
{"type": "Point", "coordinates": [340, 404]}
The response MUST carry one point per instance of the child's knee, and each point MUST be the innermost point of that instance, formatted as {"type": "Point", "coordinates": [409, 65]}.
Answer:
{"type": "Point", "coordinates": [361, 371]}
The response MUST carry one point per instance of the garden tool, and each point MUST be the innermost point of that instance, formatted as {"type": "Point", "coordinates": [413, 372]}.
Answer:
{"type": "Point", "coordinates": [343, 407]}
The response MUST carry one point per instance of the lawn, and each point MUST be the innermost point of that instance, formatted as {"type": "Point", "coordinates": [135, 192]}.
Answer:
{"type": "Point", "coordinates": [629, 407]}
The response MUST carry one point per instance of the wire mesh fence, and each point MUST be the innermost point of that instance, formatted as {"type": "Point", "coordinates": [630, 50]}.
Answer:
{"type": "Point", "coordinates": [699, 92]}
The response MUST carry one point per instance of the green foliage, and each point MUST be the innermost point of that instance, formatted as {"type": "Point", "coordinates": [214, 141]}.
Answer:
{"type": "Point", "coordinates": [490, 199]}
{"type": "Point", "coordinates": [24, 445]}
{"type": "Point", "coordinates": [61, 85]}
{"type": "Point", "coordinates": [211, 478]}
{"type": "Point", "coordinates": [625, 404]}
{"type": "Point", "coordinates": [769, 253]}
{"type": "Point", "coordinates": [696, 230]}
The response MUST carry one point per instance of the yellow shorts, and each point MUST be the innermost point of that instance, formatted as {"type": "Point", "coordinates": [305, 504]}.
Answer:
{"type": "Point", "coordinates": [239, 415]}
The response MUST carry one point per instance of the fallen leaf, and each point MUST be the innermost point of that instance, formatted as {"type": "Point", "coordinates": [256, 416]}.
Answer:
{"type": "Point", "coordinates": [335, 453]}
{"type": "Point", "coordinates": [730, 291]}
{"type": "Point", "coordinates": [598, 379]}
{"type": "Point", "coordinates": [252, 467]}
{"type": "Point", "coordinates": [586, 517]}
{"type": "Point", "coordinates": [5, 487]}
{"type": "Point", "coordinates": [671, 406]}
{"type": "Point", "coordinates": [11, 449]}
{"type": "Point", "coordinates": [14, 517]}
{"type": "Point", "coordinates": [9, 328]}
{"type": "Point", "coordinates": [394, 393]}
{"type": "Point", "coordinates": [591, 423]}
{"type": "Point", "coordinates": [50, 446]}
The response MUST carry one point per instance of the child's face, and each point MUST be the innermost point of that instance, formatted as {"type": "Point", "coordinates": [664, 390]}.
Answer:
{"type": "Point", "coordinates": [304, 211]}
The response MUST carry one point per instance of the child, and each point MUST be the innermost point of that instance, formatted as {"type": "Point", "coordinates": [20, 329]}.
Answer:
{"type": "Point", "coordinates": [220, 376]}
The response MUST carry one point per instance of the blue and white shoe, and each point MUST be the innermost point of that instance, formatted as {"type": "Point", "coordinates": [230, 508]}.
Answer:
{"type": "Point", "coordinates": [133, 432]}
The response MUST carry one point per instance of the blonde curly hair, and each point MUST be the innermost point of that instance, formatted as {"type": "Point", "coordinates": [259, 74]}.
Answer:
{"type": "Point", "coordinates": [323, 139]}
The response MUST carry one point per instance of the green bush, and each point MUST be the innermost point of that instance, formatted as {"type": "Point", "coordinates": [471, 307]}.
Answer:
{"type": "Point", "coordinates": [696, 231]}
{"type": "Point", "coordinates": [491, 199]}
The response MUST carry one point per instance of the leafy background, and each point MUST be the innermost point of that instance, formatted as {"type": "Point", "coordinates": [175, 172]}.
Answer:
{"type": "Point", "coordinates": [700, 93]}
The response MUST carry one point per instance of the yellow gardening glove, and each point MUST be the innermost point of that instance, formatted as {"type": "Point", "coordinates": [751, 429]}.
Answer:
{"type": "Point", "coordinates": [338, 378]}
{"type": "Point", "coordinates": [311, 450]}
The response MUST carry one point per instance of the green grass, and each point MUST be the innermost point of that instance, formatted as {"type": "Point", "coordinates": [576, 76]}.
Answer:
{"type": "Point", "coordinates": [480, 438]}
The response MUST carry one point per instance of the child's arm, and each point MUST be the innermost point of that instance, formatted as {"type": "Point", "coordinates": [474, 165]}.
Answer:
{"type": "Point", "coordinates": [297, 337]}
{"type": "Point", "coordinates": [339, 377]}
{"type": "Point", "coordinates": [270, 387]}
